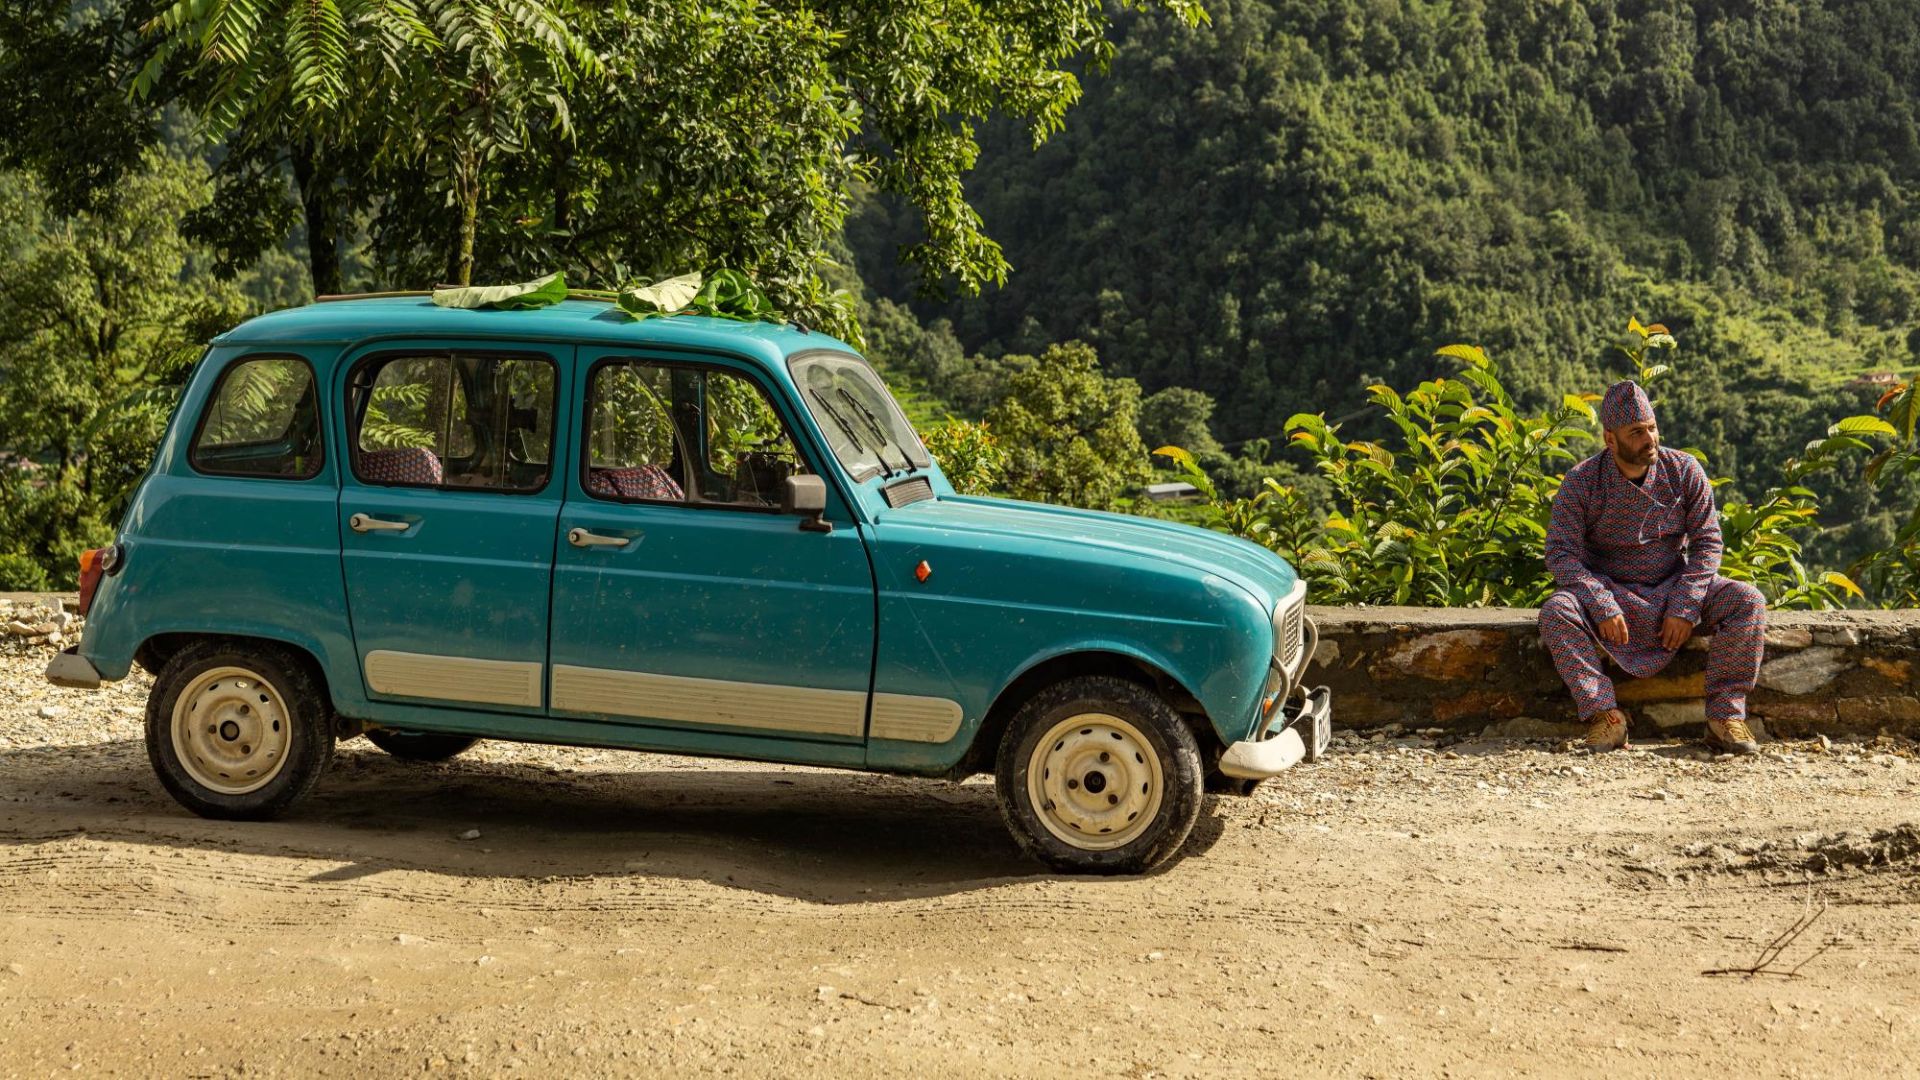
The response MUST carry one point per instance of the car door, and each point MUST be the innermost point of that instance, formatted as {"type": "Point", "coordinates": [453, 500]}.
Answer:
{"type": "Point", "coordinates": [447, 514]}
{"type": "Point", "coordinates": [683, 597]}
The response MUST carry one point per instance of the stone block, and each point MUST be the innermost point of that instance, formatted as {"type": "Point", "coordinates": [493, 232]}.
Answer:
{"type": "Point", "coordinates": [1789, 637]}
{"type": "Point", "coordinates": [1794, 712]}
{"type": "Point", "coordinates": [1327, 652]}
{"type": "Point", "coordinates": [1662, 688]}
{"type": "Point", "coordinates": [1448, 656]}
{"type": "Point", "coordinates": [1839, 636]}
{"type": "Point", "coordinates": [1675, 714]}
{"type": "Point", "coordinates": [1804, 672]}
{"type": "Point", "coordinates": [1890, 709]}
{"type": "Point", "coordinates": [1355, 710]}
{"type": "Point", "coordinates": [1897, 672]}
{"type": "Point", "coordinates": [1490, 704]}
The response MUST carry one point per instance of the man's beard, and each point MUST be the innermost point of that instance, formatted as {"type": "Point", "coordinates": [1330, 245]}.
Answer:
{"type": "Point", "coordinates": [1641, 457]}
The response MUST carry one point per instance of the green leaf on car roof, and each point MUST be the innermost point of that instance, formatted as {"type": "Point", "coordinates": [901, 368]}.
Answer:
{"type": "Point", "coordinates": [661, 297]}
{"type": "Point", "coordinates": [538, 293]}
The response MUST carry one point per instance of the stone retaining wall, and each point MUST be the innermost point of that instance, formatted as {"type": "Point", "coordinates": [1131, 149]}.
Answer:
{"type": "Point", "coordinates": [1461, 670]}
{"type": "Point", "coordinates": [1470, 670]}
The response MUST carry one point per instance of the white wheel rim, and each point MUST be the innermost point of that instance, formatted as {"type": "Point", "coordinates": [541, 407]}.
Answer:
{"type": "Point", "coordinates": [1095, 781]}
{"type": "Point", "coordinates": [231, 731]}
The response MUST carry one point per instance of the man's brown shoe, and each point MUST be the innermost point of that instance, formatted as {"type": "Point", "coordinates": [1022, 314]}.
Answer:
{"type": "Point", "coordinates": [1732, 736]}
{"type": "Point", "coordinates": [1606, 731]}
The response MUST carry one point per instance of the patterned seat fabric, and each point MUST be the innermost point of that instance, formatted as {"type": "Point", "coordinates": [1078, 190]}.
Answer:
{"type": "Point", "coordinates": [404, 465]}
{"type": "Point", "coordinates": [640, 482]}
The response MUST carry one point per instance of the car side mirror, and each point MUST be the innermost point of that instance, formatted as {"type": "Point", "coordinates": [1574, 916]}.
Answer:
{"type": "Point", "coordinates": [807, 497]}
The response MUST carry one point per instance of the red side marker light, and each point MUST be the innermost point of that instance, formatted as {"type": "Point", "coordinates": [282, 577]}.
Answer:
{"type": "Point", "coordinates": [923, 571]}
{"type": "Point", "coordinates": [92, 569]}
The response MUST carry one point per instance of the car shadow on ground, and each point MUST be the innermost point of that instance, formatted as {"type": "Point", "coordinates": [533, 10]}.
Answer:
{"type": "Point", "coordinates": [814, 835]}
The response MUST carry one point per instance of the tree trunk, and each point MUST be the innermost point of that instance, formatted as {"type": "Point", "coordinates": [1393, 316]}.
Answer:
{"type": "Point", "coordinates": [323, 238]}
{"type": "Point", "coordinates": [466, 189]}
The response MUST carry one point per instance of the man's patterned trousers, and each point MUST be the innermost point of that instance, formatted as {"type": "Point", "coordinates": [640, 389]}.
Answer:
{"type": "Point", "coordinates": [1735, 614]}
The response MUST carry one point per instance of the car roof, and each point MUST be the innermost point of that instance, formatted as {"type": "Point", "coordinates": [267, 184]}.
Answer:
{"type": "Point", "coordinates": [575, 321]}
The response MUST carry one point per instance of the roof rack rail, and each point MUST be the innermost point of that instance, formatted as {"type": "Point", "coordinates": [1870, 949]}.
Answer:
{"type": "Point", "coordinates": [603, 297]}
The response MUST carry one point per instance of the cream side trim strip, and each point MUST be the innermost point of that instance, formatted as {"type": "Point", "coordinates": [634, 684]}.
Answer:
{"type": "Point", "coordinates": [454, 678]}
{"type": "Point", "coordinates": [762, 706]}
{"type": "Point", "coordinates": [915, 719]}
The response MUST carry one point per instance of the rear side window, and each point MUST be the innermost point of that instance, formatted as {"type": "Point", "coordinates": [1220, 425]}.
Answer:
{"type": "Point", "coordinates": [449, 420]}
{"type": "Point", "coordinates": [262, 420]}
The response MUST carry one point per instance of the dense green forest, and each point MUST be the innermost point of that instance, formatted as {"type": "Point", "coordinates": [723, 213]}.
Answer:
{"type": "Point", "coordinates": [1097, 230]}
{"type": "Point", "coordinates": [1307, 196]}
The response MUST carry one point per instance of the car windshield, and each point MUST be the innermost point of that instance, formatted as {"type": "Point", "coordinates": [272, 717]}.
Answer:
{"type": "Point", "coordinates": [863, 425]}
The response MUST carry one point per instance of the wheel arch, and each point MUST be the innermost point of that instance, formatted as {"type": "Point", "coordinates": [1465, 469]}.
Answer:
{"type": "Point", "coordinates": [154, 652]}
{"type": "Point", "coordinates": [1043, 673]}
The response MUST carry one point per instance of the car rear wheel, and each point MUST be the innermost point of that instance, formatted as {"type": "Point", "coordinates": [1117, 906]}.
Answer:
{"type": "Point", "coordinates": [238, 731]}
{"type": "Point", "coordinates": [1099, 775]}
{"type": "Point", "coordinates": [420, 745]}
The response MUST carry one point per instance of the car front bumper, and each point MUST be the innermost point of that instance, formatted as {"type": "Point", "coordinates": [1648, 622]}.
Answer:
{"type": "Point", "coordinates": [69, 668]}
{"type": "Point", "coordinates": [1309, 727]}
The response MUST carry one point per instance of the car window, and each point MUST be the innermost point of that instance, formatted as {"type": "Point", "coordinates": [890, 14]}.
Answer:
{"type": "Point", "coordinates": [663, 432]}
{"type": "Point", "coordinates": [864, 426]}
{"type": "Point", "coordinates": [262, 420]}
{"type": "Point", "coordinates": [449, 420]}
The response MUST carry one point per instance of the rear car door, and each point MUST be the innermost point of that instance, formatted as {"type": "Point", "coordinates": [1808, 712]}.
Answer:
{"type": "Point", "coordinates": [447, 512]}
{"type": "Point", "coordinates": [683, 596]}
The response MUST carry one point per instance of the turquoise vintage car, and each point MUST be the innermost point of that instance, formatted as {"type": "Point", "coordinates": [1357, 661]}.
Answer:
{"type": "Point", "coordinates": [432, 525]}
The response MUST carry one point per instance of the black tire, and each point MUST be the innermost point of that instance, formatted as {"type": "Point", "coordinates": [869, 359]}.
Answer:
{"type": "Point", "coordinates": [420, 745]}
{"type": "Point", "coordinates": [291, 715]}
{"type": "Point", "coordinates": [1150, 726]}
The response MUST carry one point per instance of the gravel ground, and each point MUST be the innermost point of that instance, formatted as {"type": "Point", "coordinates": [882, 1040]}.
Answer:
{"type": "Point", "coordinates": [1406, 907]}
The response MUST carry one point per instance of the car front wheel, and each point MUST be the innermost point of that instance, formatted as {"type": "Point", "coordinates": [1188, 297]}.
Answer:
{"type": "Point", "coordinates": [1099, 775]}
{"type": "Point", "coordinates": [238, 731]}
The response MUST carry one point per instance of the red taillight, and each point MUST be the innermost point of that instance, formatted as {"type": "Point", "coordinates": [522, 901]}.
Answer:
{"type": "Point", "coordinates": [93, 567]}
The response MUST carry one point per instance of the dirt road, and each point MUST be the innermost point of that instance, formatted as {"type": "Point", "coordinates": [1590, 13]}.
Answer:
{"type": "Point", "coordinates": [1402, 909]}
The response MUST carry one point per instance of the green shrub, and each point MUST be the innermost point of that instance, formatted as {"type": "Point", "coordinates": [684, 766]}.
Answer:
{"type": "Point", "coordinates": [968, 453]}
{"type": "Point", "coordinates": [19, 573]}
{"type": "Point", "coordinates": [1454, 513]}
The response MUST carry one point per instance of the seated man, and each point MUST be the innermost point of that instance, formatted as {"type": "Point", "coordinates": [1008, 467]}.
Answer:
{"type": "Point", "coordinates": [1634, 546]}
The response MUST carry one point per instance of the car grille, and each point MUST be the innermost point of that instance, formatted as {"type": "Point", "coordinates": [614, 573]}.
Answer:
{"type": "Point", "coordinates": [907, 491]}
{"type": "Point", "coordinates": [1288, 639]}
{"type": "Point", "coordinates": [1289, 629]}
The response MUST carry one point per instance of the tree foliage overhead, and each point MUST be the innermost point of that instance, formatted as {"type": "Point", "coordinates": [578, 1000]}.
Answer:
{"type": "Point", "coordinates": [627, 137]}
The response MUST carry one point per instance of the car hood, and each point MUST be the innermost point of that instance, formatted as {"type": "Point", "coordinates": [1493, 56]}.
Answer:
{"type": "Point", "coordinates": [1260, 572]}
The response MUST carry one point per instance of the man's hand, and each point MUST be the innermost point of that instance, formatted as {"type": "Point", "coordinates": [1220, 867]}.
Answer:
{"type": "Point", "coordinates": [1674, 632]}
{"type": "Point", "coordinates": [1614, 631]}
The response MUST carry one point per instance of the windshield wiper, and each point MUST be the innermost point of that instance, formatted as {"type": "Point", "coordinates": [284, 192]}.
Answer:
{"type": "Point", "coordinates": [873, 425]}
{"type": "Point", "coordinates": [846, 428]}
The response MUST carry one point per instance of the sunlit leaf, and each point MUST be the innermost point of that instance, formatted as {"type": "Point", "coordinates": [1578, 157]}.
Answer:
{"type": "Point", "coordinates": [1472, 354]}
{"type": "Point", "coordinates": [1179, 455]}
{"type": "Point", "coordinates": [540, 292]}
{"type": "Point", "coordinates": [662, 297]}
{"type": "Point", "coordinates": [1862, 425]}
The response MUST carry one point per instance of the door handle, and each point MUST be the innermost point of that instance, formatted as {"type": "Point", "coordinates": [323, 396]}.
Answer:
{"type": "Point", "coordinates": [581, 538]}
{"type": "Point", "coordinates": [361, 523]}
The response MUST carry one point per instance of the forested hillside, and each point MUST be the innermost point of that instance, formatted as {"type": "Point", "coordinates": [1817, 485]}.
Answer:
{"type": "Point", "coordinates": [1306, 196]}
{"type": "Point", "coordinates": [1212, 223]}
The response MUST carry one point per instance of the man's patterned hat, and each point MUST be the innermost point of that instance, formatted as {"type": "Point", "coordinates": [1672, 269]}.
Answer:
{"type": "Point", "coordinates": [1625, 404]}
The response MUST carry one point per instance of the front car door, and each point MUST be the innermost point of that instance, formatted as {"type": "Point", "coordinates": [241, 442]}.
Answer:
{"type": "Point", "coordinates": [447, 512]}
{"type": "Point", "coordinates": [683, 598]}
